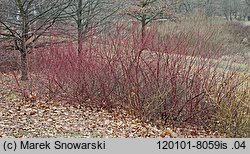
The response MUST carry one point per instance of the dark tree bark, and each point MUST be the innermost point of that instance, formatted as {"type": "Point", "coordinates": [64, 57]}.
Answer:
{"type": "Point", "coordinates": [143, 31]}
{"type": "Point", "coordinates": [79, 26]}
{"type": "Point", "coordinates": [21, 15]}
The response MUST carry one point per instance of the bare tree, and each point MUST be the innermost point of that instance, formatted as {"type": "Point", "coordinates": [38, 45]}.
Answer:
{"type": "Point", "coordinates": [89, 14]}
{"type": "Point", "coordinates": [146, 11]}
{"type": "Point", "coordinates": [25, 21]}
{"type": "Point", "coordinates": [233, 9]}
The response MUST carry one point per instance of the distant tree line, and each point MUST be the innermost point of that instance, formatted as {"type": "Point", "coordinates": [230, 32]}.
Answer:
{"type": "Point", "coordinates": [230, 9]}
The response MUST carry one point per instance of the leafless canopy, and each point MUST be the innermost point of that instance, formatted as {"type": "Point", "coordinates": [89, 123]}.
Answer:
{"type": "Point", "coordinates": [25, 21]}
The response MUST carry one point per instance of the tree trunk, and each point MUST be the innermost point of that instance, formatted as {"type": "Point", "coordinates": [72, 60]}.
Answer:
{"type": "Point", "coordinates": [24, 15]}
{"type": "Point", "coordinates": [226, 16]}
{"type": "Point", "coordinates": [230, 16]}
{"type": "Point", "coordinates": [79, 26]}
{"type": "Point", "coordinates": [24, 66]}
{"type": "Point", "coordinates": [79, 41]}
{"type": "Point", "coordinates": [143, 31]}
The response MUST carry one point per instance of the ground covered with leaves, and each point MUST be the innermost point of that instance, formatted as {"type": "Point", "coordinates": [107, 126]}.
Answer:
{"type": "Point", "coordinates": [42, 118]}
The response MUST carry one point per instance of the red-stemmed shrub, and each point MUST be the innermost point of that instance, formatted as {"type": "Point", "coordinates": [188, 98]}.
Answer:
{"type": "Point", "coordinates": [164, 77]}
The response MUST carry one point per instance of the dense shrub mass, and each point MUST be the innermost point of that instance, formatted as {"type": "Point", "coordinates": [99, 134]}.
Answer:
{"type": "Point", "coordinates": [173, 77]}
{"type": "Point", "coordinates": [8, 61]}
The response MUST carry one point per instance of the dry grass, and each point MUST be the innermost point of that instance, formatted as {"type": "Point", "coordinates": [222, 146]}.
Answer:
{"type": "Point", "coordinates": [228, 35]}
{"type": "Point", "coordinates": [231, 109]}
